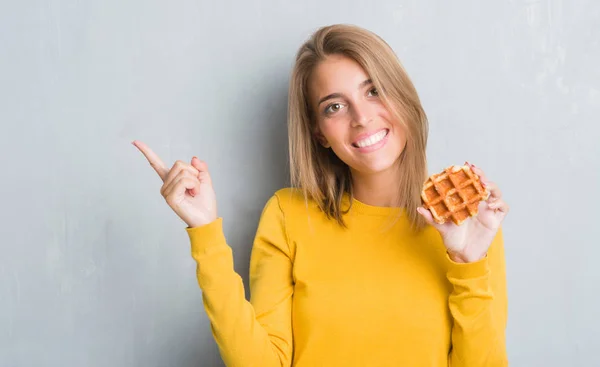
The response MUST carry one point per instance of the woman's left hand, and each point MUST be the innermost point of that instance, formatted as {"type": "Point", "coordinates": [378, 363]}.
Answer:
{"type": "Point", "coordinates": [471, 240]}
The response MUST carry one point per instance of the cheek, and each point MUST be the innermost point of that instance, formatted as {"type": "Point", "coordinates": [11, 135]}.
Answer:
{"type": "Point", "coordinates": [400, 136]}
{"type": "Point", "coordinates": [333, 131]}
{"type": "Point", "coordinates": [399, 129]}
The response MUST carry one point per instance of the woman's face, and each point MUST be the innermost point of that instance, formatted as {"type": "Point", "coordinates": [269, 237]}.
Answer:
{"type": "Point", "coordinates": [351, 118]}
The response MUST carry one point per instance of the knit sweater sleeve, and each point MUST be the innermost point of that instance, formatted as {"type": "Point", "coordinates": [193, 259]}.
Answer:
{"type": "Point", "coordinates": [257, 333]}
{"type": "Point", "coordinates": [478, 304]}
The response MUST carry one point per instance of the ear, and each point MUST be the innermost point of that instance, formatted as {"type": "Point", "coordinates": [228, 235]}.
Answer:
{"type": "Point", "coordinates": [321, 139]}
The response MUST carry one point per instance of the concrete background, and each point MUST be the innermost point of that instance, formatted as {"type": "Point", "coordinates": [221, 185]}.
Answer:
{"type": "Point", "coordinates": [96, 269]}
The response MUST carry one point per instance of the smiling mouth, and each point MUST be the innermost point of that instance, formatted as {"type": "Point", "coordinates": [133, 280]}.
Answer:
{"type": "Point", "coordinates": [371, 140]}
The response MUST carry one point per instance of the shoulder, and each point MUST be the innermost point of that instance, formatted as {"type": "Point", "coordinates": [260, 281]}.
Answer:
{"type": "Point", "coordinates": [291, 199]}
{"type": "Point", "coordinates": [293, 205]}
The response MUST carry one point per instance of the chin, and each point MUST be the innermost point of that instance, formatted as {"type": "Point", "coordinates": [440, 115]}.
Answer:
{"type": "Point", "coordinates": [378, 164]}
{"type": "Point", "coordinates": [375, 168]}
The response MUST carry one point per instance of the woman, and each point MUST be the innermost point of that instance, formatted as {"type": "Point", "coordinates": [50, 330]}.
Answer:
{"type": "Point", "coordinates": [346, 268]}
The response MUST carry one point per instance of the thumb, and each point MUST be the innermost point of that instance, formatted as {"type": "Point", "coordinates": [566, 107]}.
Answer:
{"type": "Point", "coordinates": [202, 167]}
{"type": "Point", "coordinates": [198, 164]}
{"type": "Point", "coordinates": [426, 214]}
{"type": "Point", "coordinates": [442, 228]}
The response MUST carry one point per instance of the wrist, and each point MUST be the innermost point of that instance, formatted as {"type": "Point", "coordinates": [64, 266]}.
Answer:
{"type": "Point", "coordinates": [201, 222]}
{"type": "Point", "coordinates": [463, 258]}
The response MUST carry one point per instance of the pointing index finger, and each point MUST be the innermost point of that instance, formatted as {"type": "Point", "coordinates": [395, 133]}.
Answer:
{"type": "Point", "coordinates": [153, 159]}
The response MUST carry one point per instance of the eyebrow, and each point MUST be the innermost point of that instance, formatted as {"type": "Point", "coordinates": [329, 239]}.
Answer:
{"type": "Point", "coordinates": [338, 95]}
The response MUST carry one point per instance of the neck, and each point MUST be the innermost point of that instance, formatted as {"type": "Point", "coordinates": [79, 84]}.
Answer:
{"type": "Point", "coordinates": [378, 189]}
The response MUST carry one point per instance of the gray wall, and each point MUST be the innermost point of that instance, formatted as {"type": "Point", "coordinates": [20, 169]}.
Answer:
{"type": "Point", "coordinates": [96, 269]}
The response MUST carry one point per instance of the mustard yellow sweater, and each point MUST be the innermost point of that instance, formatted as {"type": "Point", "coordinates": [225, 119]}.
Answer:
{"type": "Point", "coordinates": [373, 294]}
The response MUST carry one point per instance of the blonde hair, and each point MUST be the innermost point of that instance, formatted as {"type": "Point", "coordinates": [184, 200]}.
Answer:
{"type": "Point", "coordinates": [317, 171]}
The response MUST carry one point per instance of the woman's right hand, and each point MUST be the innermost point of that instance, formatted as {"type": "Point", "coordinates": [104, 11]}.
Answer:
{"type": "Point", "coordinates": [187, 188]}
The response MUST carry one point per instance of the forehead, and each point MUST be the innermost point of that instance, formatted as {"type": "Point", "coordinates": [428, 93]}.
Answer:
{"type": "Point", "coordinates": [336, 74]}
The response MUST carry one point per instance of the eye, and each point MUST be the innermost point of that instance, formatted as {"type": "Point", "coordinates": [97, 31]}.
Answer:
{"type": "Point", "coordinates": [333, 108]}
{"type": "Point", "coordinates": [373, 92]}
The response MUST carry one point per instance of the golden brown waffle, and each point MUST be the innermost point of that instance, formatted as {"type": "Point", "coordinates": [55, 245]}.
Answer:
{"type": "Point", "coordinates": [453, 194]}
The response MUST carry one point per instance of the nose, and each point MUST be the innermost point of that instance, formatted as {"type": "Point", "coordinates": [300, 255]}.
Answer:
{"type": "Point", "coordinates": [361, 114]}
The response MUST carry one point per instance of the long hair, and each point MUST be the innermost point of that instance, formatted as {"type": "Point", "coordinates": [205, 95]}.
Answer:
{"type": "Point", "coordinates": [316, 170]}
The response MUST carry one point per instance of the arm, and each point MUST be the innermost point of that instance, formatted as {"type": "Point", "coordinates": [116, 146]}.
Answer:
{"type": "Point", "coordinates": [248, 334]}
{"type": "Point", "coordinates": [478, 304]}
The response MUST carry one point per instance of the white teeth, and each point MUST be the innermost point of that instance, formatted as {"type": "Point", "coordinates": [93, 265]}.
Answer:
{"type": "Point", "coordinates": [373, 139]}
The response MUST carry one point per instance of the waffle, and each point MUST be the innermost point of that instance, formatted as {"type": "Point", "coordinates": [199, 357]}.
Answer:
{"type": "Point", "coordinates": [453, 194]}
